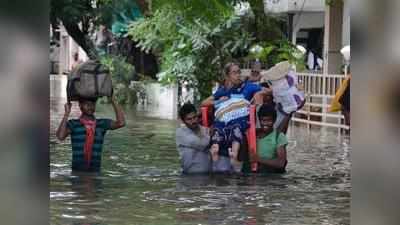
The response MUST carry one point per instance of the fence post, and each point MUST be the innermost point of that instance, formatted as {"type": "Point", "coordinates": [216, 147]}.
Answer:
{"type": "Point", "coordinates": [324, 94]}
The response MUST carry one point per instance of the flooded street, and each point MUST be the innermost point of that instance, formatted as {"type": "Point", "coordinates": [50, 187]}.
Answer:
{"type": "Point", "coordinates": [140, 182]}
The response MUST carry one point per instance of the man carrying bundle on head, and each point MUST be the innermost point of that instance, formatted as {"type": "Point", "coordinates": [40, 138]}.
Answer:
{"type": "Point", "coordinates": [90, 81]}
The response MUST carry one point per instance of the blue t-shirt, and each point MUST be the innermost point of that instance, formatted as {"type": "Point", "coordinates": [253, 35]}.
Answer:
{"type": "Point", "coordinates": [225, 132]}
{"type": "Point", "coordinates": [78, 137]}
{"type": "Point", "coordinates": [247, 89]}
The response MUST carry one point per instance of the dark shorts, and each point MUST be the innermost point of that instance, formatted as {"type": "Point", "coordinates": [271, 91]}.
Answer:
{"type": "Point", "coordinates": [224, 134]}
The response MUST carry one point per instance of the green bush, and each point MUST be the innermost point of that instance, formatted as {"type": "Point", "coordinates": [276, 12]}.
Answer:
{"type": "Point", "coordinates": [122, 73]}
{"type": "Point", "coordinates": [271, 53]}
{"type": "Point", "coordinates": [191, 50]}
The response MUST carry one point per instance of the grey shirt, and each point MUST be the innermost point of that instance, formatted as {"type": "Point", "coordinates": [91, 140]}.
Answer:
{"type": "Point", "coordinates": [193, 150]}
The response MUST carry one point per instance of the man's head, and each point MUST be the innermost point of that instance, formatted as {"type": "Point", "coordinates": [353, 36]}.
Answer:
{"type": "Point", "coordinates": [87, 106]}
{"type": "Point", "coordinates": [188, 115]}
{"type": "Point", "coordinates": [232, 73]}
{"type": "Point", "coordinates": [255, 71]}
{"type": "Point", "coordinates": [267, 116]}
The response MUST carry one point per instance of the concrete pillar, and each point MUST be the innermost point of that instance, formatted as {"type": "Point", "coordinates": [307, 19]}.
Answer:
{"type": "Point", "coordinates": [332, 45]}
{"type": "Point", "coordinates": [346, 23]}
{"type": "Point", "coordinates": [290, 26]}
{"type": "Point", "coordinates": [294, 37]}
{"type": "Point", "coordinates": [295, 28]}
{"type": "Point", "coordinates": [64, 53]}
{"type": "Point", "coordinates": [333, 38]}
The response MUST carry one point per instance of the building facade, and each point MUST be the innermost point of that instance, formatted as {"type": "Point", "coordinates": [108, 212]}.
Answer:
{"type": "Point", "coordinates": [319, 27]}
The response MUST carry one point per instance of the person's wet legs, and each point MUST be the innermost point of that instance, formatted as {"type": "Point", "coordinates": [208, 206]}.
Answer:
{"type": "Point", "coordinates": [233, 154]}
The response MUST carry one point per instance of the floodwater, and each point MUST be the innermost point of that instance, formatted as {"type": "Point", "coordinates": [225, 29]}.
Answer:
{"type": "Point", "coordinates": [140, 182]}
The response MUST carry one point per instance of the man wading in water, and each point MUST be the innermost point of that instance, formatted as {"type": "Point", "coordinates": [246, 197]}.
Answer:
{"type": "Point", "coordinates": [192, 141]}
{"type": "Point", "coordinates": [87, 133]}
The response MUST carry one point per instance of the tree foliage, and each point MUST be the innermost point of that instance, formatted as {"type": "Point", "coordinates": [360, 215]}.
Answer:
{"type": "Point", "coordinates": [81, 17]}
{"type": "Point", "coordinates": [77, 17]}
{"type": "Point", "coordinates": [265, 27]}
{"type": "Point", "coordinates": [271, 53]}
{"type": "Point", "coordinates": [192, 49]}
{"type": "Point", "coordinates": [122, 74]}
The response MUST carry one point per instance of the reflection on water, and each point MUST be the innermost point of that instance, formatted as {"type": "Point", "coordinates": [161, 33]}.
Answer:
{"type": "Point", "coordinates": [141, 183]}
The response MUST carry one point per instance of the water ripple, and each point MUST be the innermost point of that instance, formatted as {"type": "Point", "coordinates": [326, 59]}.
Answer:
{"type": "Point", "coordinates": [140, 182]}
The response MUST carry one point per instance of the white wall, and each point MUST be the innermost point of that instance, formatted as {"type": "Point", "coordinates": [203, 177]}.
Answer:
{"type": "Point", "coordinates": [316, 20]}
{"type": "Point", "coordinates": [64, 51]}
{"type": "Point", "coordinates": [67, 48]}
{"type": "Point", "coordinates": [58, 86]}
{"type": "Point", "coordinates": [307, 20]}
{"type": "Point", "coordinates": [284, 6]}
{"type": "Point", "coordinates": [161, 101]}
{"type": "Point", "coordinates": [306, 5]}
{"type": "Point", "coordinates": [275, 6]}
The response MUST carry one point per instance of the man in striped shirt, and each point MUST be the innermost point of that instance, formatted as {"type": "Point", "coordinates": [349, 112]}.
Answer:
{"type": "Point", "coordinates": [87, 133]}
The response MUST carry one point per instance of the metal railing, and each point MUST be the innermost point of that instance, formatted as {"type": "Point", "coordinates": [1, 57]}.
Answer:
{"type": "Point", "coordinates": [319, 90]}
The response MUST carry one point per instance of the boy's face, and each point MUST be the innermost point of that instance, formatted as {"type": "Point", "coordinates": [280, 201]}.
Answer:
{"type": "Point", "coordinates": [87, 107]}
{"type": "Point", "coordinates": [267, 122]}
{"type": "Point", "coordinates": [268, 99]}
{"type": "Point", "coordinates": [191, 120]}
{"type": "Point", "coordinates": [255, 73]}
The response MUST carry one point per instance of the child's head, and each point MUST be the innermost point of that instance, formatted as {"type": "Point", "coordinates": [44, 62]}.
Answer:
{"type": "Point", "coordinates": [268, 98]}
{"type": "Point", "coordinates": [87, 106]}
{"type": "Point", "coordinates": [267, 116]}
{"type": "Point", "coordinates": [188, 115]}
{"type": "Point", "coordinates": [255, 74]}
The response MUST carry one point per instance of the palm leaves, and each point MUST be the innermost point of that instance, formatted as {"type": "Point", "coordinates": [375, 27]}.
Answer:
{"type": "Point", "coordinates": [277, 51]}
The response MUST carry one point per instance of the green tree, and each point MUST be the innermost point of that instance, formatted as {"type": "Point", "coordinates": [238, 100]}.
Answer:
{"type": "Point", "coordinates": [76, 16]}
{"type": "Point", "coordinates": [273, 52]}
{"type": "Point", "coordinates": [81, 17]}
{"type": "Point", "coordinates": [122, 74]}
{"type": "Point", "coordinates": [265, 27]}
{"type": "Point", "coordinates": [193, 40]}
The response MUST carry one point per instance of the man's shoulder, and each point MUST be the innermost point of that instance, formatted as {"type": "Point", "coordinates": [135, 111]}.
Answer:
{"type": "Point", "coordinates": [204, 128]}
{"type": "Point", "coordinates": [220, 90]}
{"type": "Point", "coordinates": [103, 122]}
{"type": "Point", "coordinates": [252, 85]}
{"type": "Point", "coordinates": [181, 129]}
{"type": "Point", "coordinates": [74, 122]}
{"type": "Point", "coordinates": [282, 136]}
{"type": "Point", "coordinates": [271, 136]}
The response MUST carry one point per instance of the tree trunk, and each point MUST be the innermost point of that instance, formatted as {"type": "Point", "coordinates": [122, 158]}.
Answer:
{"type": "Point", "coordinates": [144, 6]}
{"type": "Point", "coordinates": [82, 39]}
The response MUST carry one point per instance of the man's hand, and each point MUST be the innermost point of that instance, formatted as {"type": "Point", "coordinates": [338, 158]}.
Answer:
{"type": "Point", "coordinates": [254, 157]}
{"type": "Point", "coordinates": [111, 98]}
{"type": "Point", "coordinates": [223, 98]}
{"type": "Point", "coordinates": [119, 114]}
{"type": "Point", "coordinates": [258, 98]}
{"type": "Point", "coordinates": [67, 108]}
{"type": "Point", "coordinates": [266, 90]}
{"type": "Point", "coordinates": [214, 152]}
{"type": "Point", "coordinates": [63, 131]}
